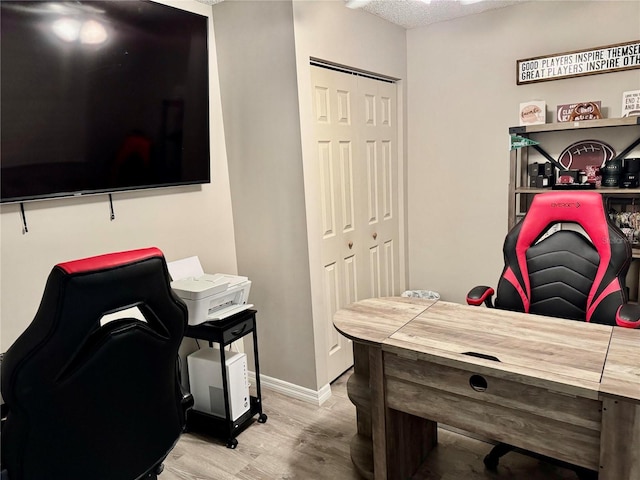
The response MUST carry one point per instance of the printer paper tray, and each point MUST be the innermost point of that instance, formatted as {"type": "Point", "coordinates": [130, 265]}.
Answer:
{"type": "Point", "coordinates": [227, 312]}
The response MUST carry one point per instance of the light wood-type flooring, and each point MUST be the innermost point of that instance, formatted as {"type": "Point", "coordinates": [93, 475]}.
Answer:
{"type": "Point", "coordinates": [306, 442]}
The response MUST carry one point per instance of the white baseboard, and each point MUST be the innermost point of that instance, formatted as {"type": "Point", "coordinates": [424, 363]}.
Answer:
{"type": "Point", "coordinates": [293, 390]}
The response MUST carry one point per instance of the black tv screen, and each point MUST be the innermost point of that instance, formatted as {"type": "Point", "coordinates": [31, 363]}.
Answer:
{"type": "Point", "coordinates": [101, 96]}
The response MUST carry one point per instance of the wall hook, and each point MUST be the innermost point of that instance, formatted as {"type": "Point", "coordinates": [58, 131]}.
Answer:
{"type": "Point", "coordinates": [25, 229]}
{"type": "Point", "coordinates": [112, 215]}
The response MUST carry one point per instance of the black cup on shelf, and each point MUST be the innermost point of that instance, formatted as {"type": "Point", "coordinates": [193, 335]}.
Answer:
{"type": "Point", "coordinates": [632, 165]}
{"type": "Point", "coordinates": [612, 168]}
{"type": "Point", "coordinates": [611, 181]}
{"type": "Point", "coordinates": [611, 173]}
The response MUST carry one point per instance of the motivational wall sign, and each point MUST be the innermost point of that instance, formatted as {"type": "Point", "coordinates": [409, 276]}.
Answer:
{"type": "Point", "coordinates": [610, 58]}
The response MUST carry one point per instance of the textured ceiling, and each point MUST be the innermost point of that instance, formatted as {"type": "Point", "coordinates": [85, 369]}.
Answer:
{"type": "Point", "coordinates": [415, 13]}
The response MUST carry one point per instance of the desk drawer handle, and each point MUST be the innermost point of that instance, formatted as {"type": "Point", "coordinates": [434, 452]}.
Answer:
{"type": "Point", "coordinates": [240, 330]}
{"type": "Point", "coordinates": [478, 383]}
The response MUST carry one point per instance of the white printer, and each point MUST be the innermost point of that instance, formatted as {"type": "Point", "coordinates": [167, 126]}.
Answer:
{"type": "Point", "coordinates": [208, 297]}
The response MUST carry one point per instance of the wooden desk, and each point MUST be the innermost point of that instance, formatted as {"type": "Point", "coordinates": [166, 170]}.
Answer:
{"type": "Point", "coordinates": [568, 390]}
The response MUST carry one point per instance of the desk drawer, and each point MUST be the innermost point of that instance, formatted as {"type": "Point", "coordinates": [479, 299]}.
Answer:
{"type": "Point", "coordinates": [550, 423]}
{"type": "Point", "coordinates": [238, 331]}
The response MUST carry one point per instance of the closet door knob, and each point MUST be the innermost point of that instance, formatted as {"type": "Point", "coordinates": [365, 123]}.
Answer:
{"type": "Point", "coordinates": [375, 235]}
{"type": "Point", "coordinates": [350, 245]}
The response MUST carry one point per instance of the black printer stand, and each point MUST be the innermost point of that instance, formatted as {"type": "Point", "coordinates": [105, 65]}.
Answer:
{"type": "Point", "coordinates": [224, 332]}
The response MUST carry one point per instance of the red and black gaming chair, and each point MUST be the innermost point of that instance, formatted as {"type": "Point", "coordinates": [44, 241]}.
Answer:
{"type": "Point", "coordinates": [96, 400]}
{"type": "Point", "coordinates": [565, 274]}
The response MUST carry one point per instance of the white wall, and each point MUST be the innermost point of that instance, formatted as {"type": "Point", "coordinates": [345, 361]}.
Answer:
{"type": "Point", "coordinates": [462, 98]}
{"type": "Point", "coordinates": [260, 107]}
{"type": "Point", "coordinates": [265, 77]}
{"type": "Point", "coordinates": [180, 221]}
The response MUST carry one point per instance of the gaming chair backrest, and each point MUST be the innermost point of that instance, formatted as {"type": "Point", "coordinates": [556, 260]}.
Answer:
{"type": "Point", "coordinates": [565, 274]}
{"type": "Point", "coordinates": [91, 401]}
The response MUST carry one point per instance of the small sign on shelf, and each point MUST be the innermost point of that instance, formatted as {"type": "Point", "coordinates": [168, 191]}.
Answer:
{"type": "Point", "coordinates": [630, 103]}
{"type": "Point", "coordinates": [577, 112]}
{"type": "Point", "coordinates": [533, 112]}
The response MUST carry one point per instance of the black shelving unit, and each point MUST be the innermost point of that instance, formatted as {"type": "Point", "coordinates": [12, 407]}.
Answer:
{"type": "Point", "coordinates": [225, 332]}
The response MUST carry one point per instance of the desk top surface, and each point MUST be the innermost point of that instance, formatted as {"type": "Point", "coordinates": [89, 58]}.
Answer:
{"type": "Point", "coordinates": [373, 320]}
{"type": "Point", "coordinates": [621, 376]}
{"type": "Point", "coordinates": [574, 357]}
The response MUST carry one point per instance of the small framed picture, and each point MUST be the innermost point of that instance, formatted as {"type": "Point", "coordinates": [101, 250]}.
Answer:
{"type": "Point", "coordinates": [533, 112]}
{"type": "Point", "coordinates": [630, 103]}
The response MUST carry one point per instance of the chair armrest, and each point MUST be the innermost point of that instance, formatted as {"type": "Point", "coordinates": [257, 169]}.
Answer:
{"type": "Point", "coordinates": [187, 401]}
{"type": "Point", "coordinates": [479, 295]}
{"type": "Point", "coordinates": [628, 316]}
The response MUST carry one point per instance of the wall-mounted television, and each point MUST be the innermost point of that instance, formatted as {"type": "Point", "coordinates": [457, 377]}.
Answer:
{"type": "Point", "coordinates": [101, 96]}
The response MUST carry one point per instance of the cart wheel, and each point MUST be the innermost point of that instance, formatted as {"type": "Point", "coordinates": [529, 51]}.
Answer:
{"type": "Point", "coordinates": [262, 418]}
{"type": "Point", "coordinates": [232, 443]}
{"type": "Point", "coordinates": [491, 462]}
{"type": "Point", "coordinates": [584, 474]}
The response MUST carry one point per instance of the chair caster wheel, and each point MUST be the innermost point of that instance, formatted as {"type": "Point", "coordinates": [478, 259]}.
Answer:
{"type": "Point", "coordinates": [584, 474]}
{"type": "Point", "coordinates": [232, 443]}
{"type": "Point", "coordinates": [491, 462]}
{"type": "Point", "coordinates": [159, 469]}
{"type": "Point", "coordinates": [262, 418]}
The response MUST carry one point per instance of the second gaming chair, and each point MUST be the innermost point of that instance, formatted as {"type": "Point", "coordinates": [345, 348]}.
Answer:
{"type": "Point", "coordinates": [92, 399]}
{"type": "Point", "coordinates": [574, 273]}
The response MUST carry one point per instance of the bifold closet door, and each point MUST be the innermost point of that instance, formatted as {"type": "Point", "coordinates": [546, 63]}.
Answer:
{"type": "Point", "coordinates": [357, 169]}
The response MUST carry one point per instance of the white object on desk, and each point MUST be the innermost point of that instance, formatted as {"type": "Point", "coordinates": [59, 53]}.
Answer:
{"type": "Point", "coordinates": [208, 297]}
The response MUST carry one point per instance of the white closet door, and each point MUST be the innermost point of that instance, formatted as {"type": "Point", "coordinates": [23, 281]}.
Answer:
{"type": "Point", "coordinates": [356, 142]}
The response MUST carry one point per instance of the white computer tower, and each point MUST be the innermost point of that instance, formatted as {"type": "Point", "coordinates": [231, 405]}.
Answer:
{"type": "Point", "coordinates": [205, 379]}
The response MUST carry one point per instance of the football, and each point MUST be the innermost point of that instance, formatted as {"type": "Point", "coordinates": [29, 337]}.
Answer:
{"type": "Point", "coordinates": [586, 152]}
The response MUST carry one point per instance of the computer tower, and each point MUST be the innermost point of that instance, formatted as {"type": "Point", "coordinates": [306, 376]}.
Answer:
{"type": "Point", "coordinates": [205, 379]}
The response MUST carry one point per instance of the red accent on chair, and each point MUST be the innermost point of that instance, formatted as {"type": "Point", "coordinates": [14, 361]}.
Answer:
{"type": "Point", "coordinates": [509, 276]}
{"type": "Point", "coordinates": [108, 260]}
{"type": "Point", "coordinates": [632, 314]}
{"type": "Point", "coordinates": [585, 209]}
{"type": "Point", "coordinates": [613, 287]}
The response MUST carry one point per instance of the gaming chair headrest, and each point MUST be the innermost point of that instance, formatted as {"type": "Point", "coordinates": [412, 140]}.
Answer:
{"type": "Point", "coordinates": [585, 209]}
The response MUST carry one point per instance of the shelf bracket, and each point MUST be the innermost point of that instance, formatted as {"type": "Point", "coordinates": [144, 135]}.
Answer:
{"type": "Point", "coordinates": [626, 151]}
{"type": "Point", "coordinates": [553, 161]}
